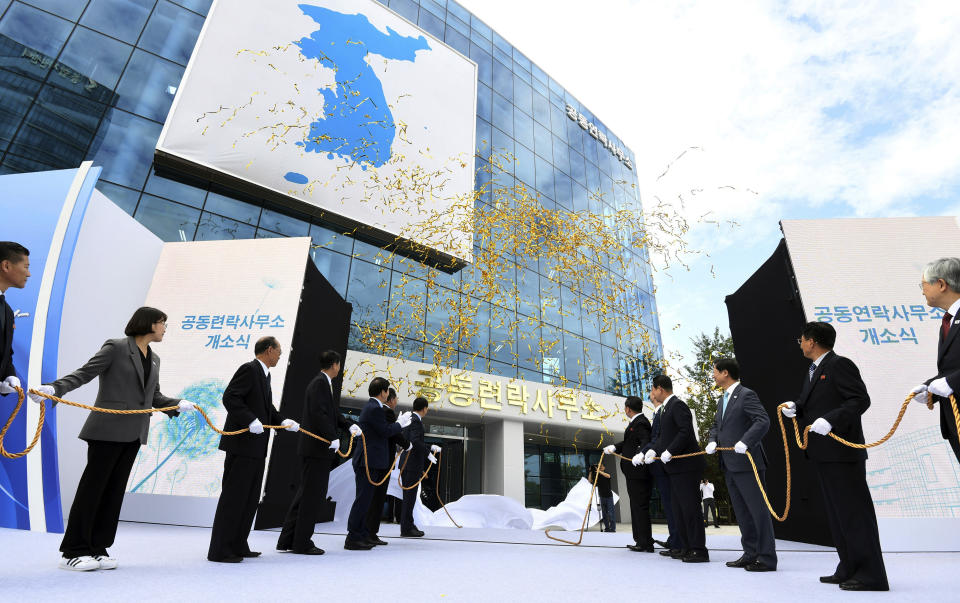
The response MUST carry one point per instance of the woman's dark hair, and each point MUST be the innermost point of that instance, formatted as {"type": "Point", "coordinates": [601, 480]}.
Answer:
{"type": "Point", "coordinates": [142, 321]}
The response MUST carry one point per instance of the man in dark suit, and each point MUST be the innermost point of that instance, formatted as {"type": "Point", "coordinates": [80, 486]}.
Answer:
{"type": "Point", "coordinates": [379, 499]}
{"type": "Point", "coordinates": [375, 455]}
{"type": "Point", "coordinates": [14, 272]}
{"type": "Point", "coordinates": [635, 438]}
{"type": "Point", "coordinates": [832, 400]}
{"type": "Point", "coordinates": [940, 283]}
{"type": "Point", "coordinates": [660, 477]}
{"type": "Point", "coordinates": [740, 423]}
{"type": "Point", "coordinates": [413, 463]}
{"type": "Point", "coordinates": [677, 437]}
{"type": "Point", "coordinates": [248, 399]}
{"type": "Point", "coordinates": [321, 416]}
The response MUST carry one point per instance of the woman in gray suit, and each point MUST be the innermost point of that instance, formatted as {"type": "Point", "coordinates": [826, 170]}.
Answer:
{"type": "Point", "coordinates": [129, 380]}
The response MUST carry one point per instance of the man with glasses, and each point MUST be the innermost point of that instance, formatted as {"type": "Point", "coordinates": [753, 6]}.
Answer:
{"type": "Point", "coordinates": [940, 284]}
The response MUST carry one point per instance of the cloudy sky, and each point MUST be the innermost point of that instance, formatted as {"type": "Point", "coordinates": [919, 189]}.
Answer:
{"type": "Point", "coordinates": [786, 110]}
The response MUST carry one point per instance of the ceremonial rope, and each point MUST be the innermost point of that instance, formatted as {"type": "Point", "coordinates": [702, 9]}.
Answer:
{"type": "Point", "coordinates": [416, 483]}
{"type": "Point", "coordinates": [802, 444]}
{"type": "Point", "coordinates": [583, 525]}
{"type": "Point", "coordinates": [442, 504]}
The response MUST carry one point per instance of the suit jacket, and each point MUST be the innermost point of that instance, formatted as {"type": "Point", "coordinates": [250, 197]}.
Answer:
{"type": "Point", "coordinates": [377, 431]}
{"type": "Point", "coordinates": [656, 469]}
{"type": "Point", "coordinates": [6, 342]}
{"type": "Point", "coordinates": [248, 396]}
{"type": "Point", "coordinates": [948, 365]}
{"type": "Point", "coordinates": [322, 416]}
{"type": "Point", "coordinates": [120, 368]}
{"type": "Point", "coordinates": [677, 436]}
{"type": "Point", "coordinates": [836, 393]}
{"type": "Point", "coordinates": [418, 455]}
{"type": "Point", "coordinates": [636, 437]}
{"type": "Point", "coordinates": [745, 420]}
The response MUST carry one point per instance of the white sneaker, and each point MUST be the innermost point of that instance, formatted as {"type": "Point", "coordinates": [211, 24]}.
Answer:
{"type": "Point", "coordinates": [85, 563]}
{"type": "Point", "coordinates": [106, 562]}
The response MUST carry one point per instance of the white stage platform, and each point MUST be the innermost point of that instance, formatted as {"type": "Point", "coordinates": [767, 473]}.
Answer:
{"type": "Point", "coordinates": [163, 563]}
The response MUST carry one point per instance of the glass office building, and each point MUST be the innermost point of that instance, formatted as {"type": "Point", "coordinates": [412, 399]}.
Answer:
{"type": "Point", "coordinates": [95, 79]}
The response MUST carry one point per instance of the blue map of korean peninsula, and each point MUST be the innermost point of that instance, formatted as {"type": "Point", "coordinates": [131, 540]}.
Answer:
{"type": "Point", "coordinates": [357, 125]}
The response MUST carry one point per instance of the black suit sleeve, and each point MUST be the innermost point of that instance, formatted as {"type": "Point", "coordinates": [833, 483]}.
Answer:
{"type": "Point", "coordinates": [237, 390]}
{"type": "Point", "coordinates": [684, 420]}
{"type": "Point", "coordinates": [853, 395]}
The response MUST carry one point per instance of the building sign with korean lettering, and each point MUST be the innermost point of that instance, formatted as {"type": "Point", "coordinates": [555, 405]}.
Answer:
{"type": "Point", "coordinates": [602, 138]}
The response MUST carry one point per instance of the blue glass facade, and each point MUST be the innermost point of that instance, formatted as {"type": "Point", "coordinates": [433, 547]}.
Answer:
{"type": "Point", "coordinates": [94, 80]}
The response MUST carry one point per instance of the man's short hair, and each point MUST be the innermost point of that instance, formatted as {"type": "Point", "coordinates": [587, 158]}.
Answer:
{"type": "Point", "coordinates": [823, 334]}
{"type": "Point", "coordinates": [143, 320]}
{"type": "Point", "coordinates": [391, 394]}
{"type": "Point", "coordinates": [947, 269]}
{"type": "Point", "coordinates": [378, 386]}
{"type": "Point", "coordinates": [634, 403]}
{"type": "Point", "coordinates": [663, 382]}
{"type": "Point", "coordinates": [419, 403]}
{"type": "Point", "coordinates": [328, 358]}
{"type": "Point", "coordinates": [10, 250]}
{"type": "Point", "coordinates": [730, 365]}
{"type": "Point", "coordinates": [265, 343]}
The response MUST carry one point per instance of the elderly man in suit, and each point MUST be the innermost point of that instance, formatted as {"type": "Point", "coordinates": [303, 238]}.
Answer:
{"type": "Point", "coordinates": [322, 416]}
{"type": "Point", "coordinates": [677, 436]}
{"type": "Point", "coordinates": [636, 437]}
{"type": "Point", "coordinates": [413, 463]}
{"type": "Point", "coordinates": [832, 400]}
{"type": "Point", "coordinates": [375, 456]}
{"type": "Point", "coordinates": [248, 399]}
{"type": "Point", "coordinates": [14, 272]}
{"type": "Point", "coordinates": [740, 423]}
{"type": "Point", "coordinates": [940, 283]}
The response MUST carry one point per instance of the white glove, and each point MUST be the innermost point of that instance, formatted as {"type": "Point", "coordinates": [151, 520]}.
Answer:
{"type": "Point", "coordinates": [649, 456]}
{"type": "Point", "coordinates": [939, 387]}
{"type": "Point", "coordinates": [404, 418]}
{"type": "Point", "coordinates": [609, 449]}
{"type": "Point", "coordinates": [290, 425]}
{"type": "Point", "coordinates": [821, 426]}
{"type": "Point", "coordinates": [43, 389]}
{"type": "Point", "coordinates": [186, 405]}
{"type": "Point", "coordinates": [256, 426]}
{"type": "Point", "coordinates": [434, 448]}
{"type": "Point", "coordinates": [7, 385]}
{"type": "Point", "coordinates": [409, 446]}
{"type": "Point", "coordinates": [335, 445]}
{"type": "Point", "coordinates": [740, 448]}
{"type": "Point", "coordinates": [711, 448]}
{"type": "Point", "coordinates": [432, 458]}
{"type": "Point", "coordinates": [637, 459]}
{"type": "Point", "coordinates": [665, 456]}
{"type": "Point", "coordinates": [919, 393]}
{"type": "Point", "coordinates": [355, 430]}
{"type": "Point", "coordinates": [789, 410]}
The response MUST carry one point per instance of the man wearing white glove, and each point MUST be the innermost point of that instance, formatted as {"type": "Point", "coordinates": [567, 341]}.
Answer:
{"type": "Point", "coordinates": [14, 272]}
{"type": "Point", "coordinates": [321, 416]}
{"type": "Point", "coordinates": [355, 430]}
{"type": "Point", "coordinates": [832, 400]}
{"type": "Point", "coordinates": [741, 422]}
{"type": "Point", "coordinates": [636, 437]}
{"type": "Point", "coordinates": [43, 389]}
{"type": "Point", "coordinates": [413, 463]}
{"type": "Point", "coordinates": [248, 399]}
{"type": "Point", "coordinates": [676, 437]}
{"type": "Point", "coordinates": [940, 282]}
{"type": "Point", "coordinates": [290, 425]}
{"type": "Point", "coordinates": [186, 406]}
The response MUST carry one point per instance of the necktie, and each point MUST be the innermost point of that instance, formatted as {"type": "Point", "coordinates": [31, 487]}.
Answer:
{"type": "Point", "coordinates": [813, 369]}
{"type": "Point", "coordinates": [944, 326]}
{"type": "Point", "coordinates": [723, 411]}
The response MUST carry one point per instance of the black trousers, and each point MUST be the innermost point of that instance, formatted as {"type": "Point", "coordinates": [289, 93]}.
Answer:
{"type": "Point", "coordinates": [302, 515]}
{"type": "Point", "coordinates": [853, 522]}
{"type": "Point", "coordinates": [242, 478]}
{"type": "Point", "coordinates": [687, 514]}
{"type": "Point", "coordinates": [639, 491]}
{"type": "Point", "coordinates": [409, 502]}
{"type": "Point", "coordinates": [711, 505]}
{"type": "Point", "coordinates": [756, 525]}
{"type": "Point", "coordinates": [95, 513]}
{"type": "Point", "coordinates": [663, 486]}
{"type": "Point", "coordinates": [375, 511]}
{"type": "Point", "coordinates": [357, 521]}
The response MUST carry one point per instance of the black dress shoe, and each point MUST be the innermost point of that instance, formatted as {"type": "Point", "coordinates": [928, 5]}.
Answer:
{"type": "Point", "coordinates": [678, 553]}
{"type": "Point", "coordinates": [660, 543]}
{"type": "Point", "coordinates": [696, 557]}
{"type": "Point", "coordinates": [376, 541]}
{"type": "Point", "coordinates": [757, 566]}
{"type": "Point", "coordinates": [831, 579]}
{"type": "Point", "coordinates": [234, 559]}
{"type": "Point", "coordinates": [250, 554]}
{"type": "Point", "coordinates": [411, 534]}
{"type": "Point", "coordinates": [311, 551]}
{"type": "Point", "coordinates": [640, 549]}
{"type": "Point", "coordinates": [283, 548]}
{"type": "Point", "coordinates": [743, 561]}
{"type": "Point", "coordinates": [854, 584]}
{"type": "Point", "coordinates": [356, 545]}
{"type": "Point", "coordinates": [669, 552]}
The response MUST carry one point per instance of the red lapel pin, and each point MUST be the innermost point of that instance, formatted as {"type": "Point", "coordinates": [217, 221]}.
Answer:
{"type": "Point", "coordinates": [822, 377]}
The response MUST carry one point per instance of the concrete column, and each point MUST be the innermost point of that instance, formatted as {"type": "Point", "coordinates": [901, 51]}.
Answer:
{"type": "Point", "coordinates": [503, 459]}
